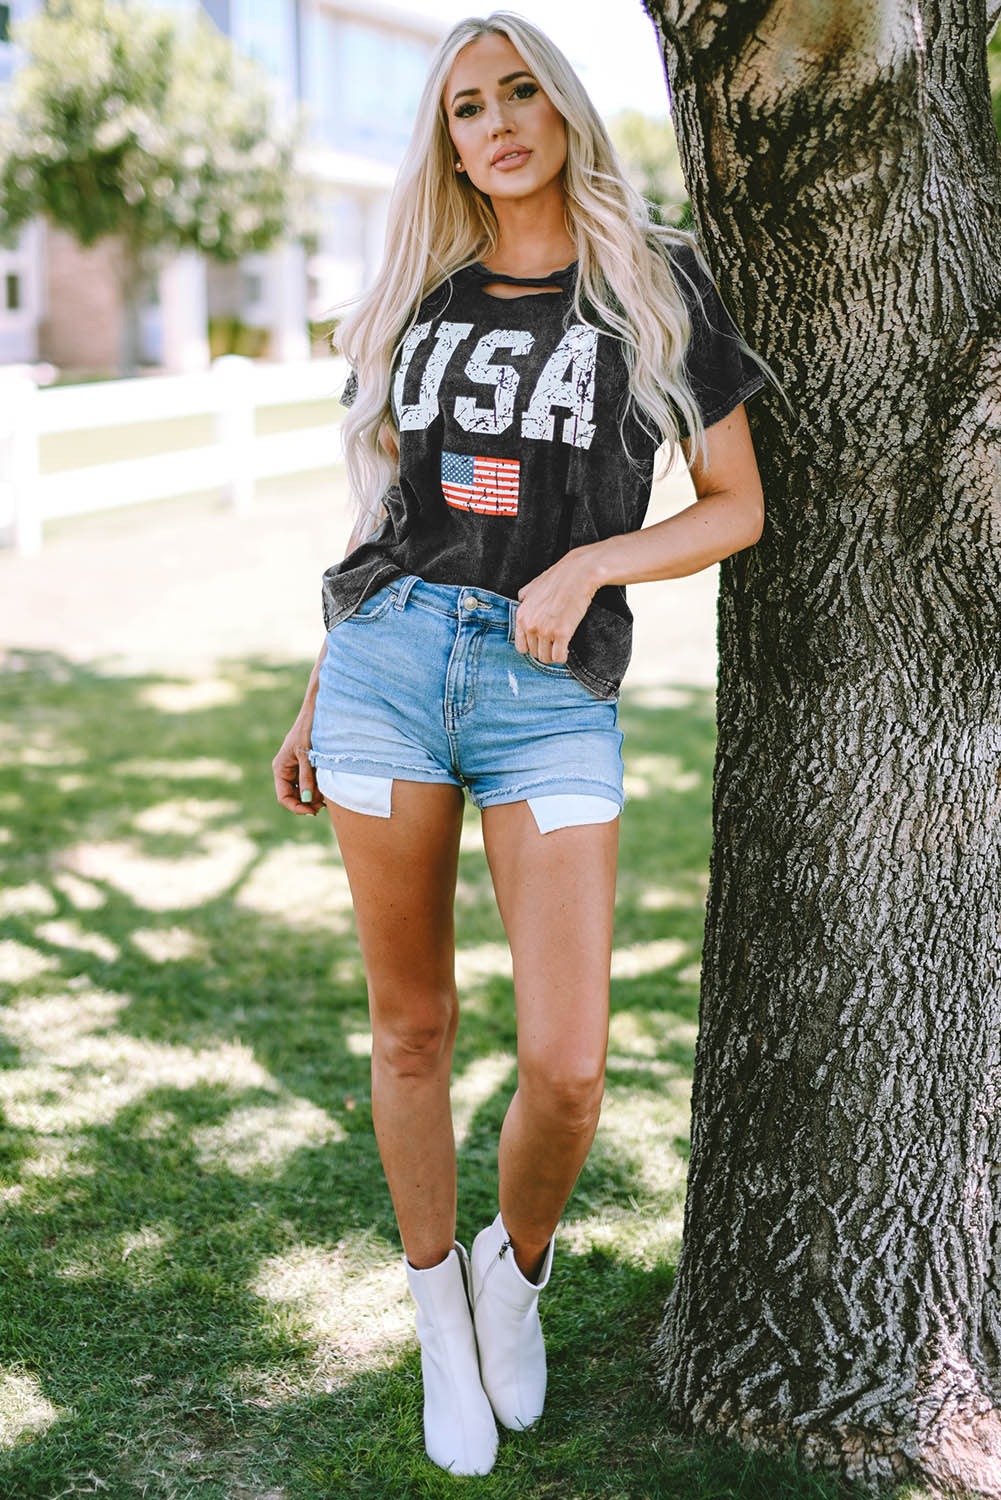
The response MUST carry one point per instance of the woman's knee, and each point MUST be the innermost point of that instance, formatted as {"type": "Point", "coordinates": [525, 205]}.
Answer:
{"type": "Point", "coordinates": [566, 1090]}
{"type": "Point", "coordinates": [413, 1035]}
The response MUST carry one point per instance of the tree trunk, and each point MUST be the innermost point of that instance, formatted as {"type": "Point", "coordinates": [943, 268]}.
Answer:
{"type": "Point", "coordinates": [839, 1281]}
{"type": "Point", "coordinates": [132, 268]}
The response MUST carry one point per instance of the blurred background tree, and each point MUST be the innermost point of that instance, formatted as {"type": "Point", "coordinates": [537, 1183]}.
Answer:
{"type": "Point", "coordinates": [994, 76]}
{"type": "Point", "coordinates": [648, 149]}
{"type": "Point", "coordinates": [148, 127]}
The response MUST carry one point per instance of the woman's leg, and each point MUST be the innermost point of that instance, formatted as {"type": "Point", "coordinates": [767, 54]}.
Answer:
{"type": "Point", "coordinates": [402, 873]}
{"type": "Point", "coordinates": [556, 894]}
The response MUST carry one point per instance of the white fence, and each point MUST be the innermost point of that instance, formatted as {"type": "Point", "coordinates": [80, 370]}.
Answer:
{"type": "Point", "coordinates": [231, 392]}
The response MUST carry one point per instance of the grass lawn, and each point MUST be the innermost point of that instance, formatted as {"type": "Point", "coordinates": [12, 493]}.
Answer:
{"type": "Point", "coordinates": [203, 1288]}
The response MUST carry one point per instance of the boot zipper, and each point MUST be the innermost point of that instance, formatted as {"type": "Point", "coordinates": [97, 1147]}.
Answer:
{"type": "Point", "coordinates": [493, 1266]}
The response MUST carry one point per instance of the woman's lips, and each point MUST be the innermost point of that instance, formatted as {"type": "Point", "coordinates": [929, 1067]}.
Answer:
{"type": "Point", "coordinates": [507, 165]}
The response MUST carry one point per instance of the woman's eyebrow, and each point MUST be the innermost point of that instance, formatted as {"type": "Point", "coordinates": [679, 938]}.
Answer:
{"type": "Point", "coordinates": [508, 78]}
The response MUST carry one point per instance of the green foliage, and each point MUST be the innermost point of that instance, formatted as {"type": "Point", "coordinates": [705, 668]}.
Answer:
{"type": "Point", "coordinates": [134, 122]}
{"type": "Point", "coordinates": [231, 335]}
{"type": "Point", "coordinates": [648, 149]}
{"type": "Point", "coordinates": [994, 76]}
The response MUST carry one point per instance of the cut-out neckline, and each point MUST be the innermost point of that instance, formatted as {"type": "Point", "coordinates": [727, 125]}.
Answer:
{"type": "Point", "coordinates": [554, 283]}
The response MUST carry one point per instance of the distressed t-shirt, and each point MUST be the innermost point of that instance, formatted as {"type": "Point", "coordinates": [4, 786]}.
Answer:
{"type": "Point", "coordinates": [511, 455]}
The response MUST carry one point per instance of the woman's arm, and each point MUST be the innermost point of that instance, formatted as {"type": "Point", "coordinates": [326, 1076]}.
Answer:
{"type": "Point", "coordinates": [294, 776]}
{"type": "Point", "coordinates": [727, 516]}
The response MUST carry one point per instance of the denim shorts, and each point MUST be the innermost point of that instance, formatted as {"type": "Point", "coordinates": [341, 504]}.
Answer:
{"type": "Point", "coordinates": [423, 682]}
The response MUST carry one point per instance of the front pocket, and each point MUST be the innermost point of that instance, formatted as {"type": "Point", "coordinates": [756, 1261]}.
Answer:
{"type": "Point", "coordinates": [550, 668]}
{"type": "Point", "coordinates": [375, 605]}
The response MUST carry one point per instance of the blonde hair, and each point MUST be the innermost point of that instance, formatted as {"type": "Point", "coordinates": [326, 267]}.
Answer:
{"type": "Point", "coordinates": [439, 222]}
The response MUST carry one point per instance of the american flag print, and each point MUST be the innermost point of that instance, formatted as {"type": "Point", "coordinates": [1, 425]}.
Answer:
{"type": "Point", "coordinates": [486, 485]}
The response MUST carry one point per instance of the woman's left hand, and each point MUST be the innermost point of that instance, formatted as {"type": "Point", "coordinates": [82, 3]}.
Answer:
{"type": "Point", "coordinates": [552, 606]}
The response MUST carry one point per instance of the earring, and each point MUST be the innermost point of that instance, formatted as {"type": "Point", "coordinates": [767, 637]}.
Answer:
{"type": "Point", "coordinates": [459, 167]}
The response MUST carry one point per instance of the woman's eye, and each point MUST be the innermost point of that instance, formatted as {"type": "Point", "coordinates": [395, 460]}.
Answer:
{"type": "Point", "coordinates": [462, 113]}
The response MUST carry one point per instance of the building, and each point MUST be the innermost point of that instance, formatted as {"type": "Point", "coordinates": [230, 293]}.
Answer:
{"type": "Point", "coordinates": [358, 67]}
{"type": "Point", "coordinates": [22, 292]}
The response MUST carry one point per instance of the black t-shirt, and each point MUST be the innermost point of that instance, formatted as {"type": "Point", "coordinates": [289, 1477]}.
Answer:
{"type": "Point", "coordinates": [509, 414]}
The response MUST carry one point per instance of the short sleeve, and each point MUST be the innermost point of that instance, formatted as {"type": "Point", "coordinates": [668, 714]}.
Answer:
{"type": "Point", "coordinates": [350, 390]}
{"type": "Point", "coordinates": [720, 374]}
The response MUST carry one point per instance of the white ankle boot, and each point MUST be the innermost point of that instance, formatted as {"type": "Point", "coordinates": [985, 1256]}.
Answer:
{"type": "Point", "coordinates": [508, 1331]}
{"type": "Point", "coordinates": [460, 1433]}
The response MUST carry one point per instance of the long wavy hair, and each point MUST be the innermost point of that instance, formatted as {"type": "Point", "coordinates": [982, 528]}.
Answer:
{"type": "Point", "coordinates": [439, 222]}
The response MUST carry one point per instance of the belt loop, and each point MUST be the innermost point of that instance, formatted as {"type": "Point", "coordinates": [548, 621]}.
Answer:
{"type": "Point", "coordinates": [404, 591]}
{"type": "Point", "coordinates": [512, 615]}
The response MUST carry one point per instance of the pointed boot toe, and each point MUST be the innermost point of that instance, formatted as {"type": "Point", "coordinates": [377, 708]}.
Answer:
{"type": "Point", "coordinates": [460, 1433]}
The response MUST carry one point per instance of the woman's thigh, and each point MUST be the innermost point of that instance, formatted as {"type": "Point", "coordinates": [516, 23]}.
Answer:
{"type": "Point", "coordinates": [556, 896]}
{"type": "Point", "coordinates": [402, 873]}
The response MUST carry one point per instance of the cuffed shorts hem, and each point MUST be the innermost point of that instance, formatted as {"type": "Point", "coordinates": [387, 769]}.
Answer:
{"type": "Point", "coordinates": [550, 786]}
{"type": "Point", "coordinates": [561, 785]}
{"type": "Point", "coordinates": [360, 766]}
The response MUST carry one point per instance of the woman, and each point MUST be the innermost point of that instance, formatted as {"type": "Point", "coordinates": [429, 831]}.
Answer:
{"type": "Point", "coordinates": [531, 339]}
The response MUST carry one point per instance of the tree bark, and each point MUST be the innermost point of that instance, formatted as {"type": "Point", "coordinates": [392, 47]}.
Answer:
{"type": "Point", "coordinates": [132, 269]}
{"type": "Point", "coordinates": [839, 1280]}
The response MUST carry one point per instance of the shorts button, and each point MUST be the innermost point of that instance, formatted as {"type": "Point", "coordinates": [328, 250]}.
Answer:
{"type": "Point", "coordinates": [470, 601]}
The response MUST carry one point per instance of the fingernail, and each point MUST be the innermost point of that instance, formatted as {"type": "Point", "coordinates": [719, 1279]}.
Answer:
{"type": "Point", "coordinates": [306, 796]}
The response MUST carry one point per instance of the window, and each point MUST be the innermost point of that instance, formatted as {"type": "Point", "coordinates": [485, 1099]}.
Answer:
{"type": "Point", "coordinates": [264, 29]}
{"type": "Point", "coordinates": [381, 80]}
{"type": "Point", "coordinates": [362, 84]}
{"type": "Point", "coordinates": [320, 75]}
{"type": "Point", "coordinates": [12, 299]}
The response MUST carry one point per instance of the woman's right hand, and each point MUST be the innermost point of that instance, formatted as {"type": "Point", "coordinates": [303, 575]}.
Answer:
{"type": "Point", "coordinates": [295, 779]}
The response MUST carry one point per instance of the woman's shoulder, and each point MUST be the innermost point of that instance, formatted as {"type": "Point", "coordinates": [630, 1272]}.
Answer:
{"type": "Point", "coordinates": [684, 255]}
{"type": "Point", "coordinates": [450, 287]}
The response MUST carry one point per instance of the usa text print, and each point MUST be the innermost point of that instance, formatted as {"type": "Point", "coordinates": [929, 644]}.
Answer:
{"type": "Point", "coordinates": [504, 379]}
{"type": "Point", "coordinates": [424, 410]}
{"type": "Point", "coordinates": [566, 382]}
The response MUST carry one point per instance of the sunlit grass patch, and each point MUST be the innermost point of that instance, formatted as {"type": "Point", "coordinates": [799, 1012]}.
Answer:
{"type": "Point", "coordinates": [351, 1297]}
{"type": "Point", "coordinates": [304, 886]}
{"type": "Point", "coordinates": [164, 945]}
{"type": "Point", "coordinates": [195, 768]}
{"type": "Point", "coordinates": [24, 1410]}
{"type": "Point", "coordinates": [79, 893]}
{"type": "Point", "coordinates": [646, 958]}
{"type": "Point", "coordinates": [20, 963]}
{"type": "Point", "coordinates": [257, 1140]}
{"type": "Point", "coordinates": [187, 697]}
{"type": "Point", "coordinates": [475, 1085]}
{"type": "Point", "coordinates": [664, 897]}
{"type": "Point", "coordinates": [164, 882]}
{"type": "Point", "coordinates": [27, 900]}
{"type": "Point", "coordinates": [184, 815]}
{"type": "Point", "coordinates": [68, 933]}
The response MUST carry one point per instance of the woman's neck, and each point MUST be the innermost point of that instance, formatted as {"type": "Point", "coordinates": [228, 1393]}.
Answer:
{"type": "Point", "coordinates": [533, 259]}
{"type": "Point", "coordinates": [532, 237]}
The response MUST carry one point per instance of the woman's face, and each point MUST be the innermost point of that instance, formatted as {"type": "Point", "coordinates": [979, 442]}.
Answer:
{"type": "Point", "coordinates": [496, 106]}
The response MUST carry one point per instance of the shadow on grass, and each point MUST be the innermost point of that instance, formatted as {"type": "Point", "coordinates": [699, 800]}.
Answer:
{"type": "Point", "coordinates": [204, 1291]}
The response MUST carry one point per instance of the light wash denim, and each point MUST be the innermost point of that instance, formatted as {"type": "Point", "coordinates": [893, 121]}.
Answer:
{"type": "Point", "coordinates": [423, 682]}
